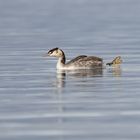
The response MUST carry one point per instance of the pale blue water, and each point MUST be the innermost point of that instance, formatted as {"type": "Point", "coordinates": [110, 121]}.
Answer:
{"type": "Point", "coordinates": [39, 103]}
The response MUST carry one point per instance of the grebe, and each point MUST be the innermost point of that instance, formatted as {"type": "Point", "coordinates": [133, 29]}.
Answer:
{"type": "Point", "coordinates": [80, 62]}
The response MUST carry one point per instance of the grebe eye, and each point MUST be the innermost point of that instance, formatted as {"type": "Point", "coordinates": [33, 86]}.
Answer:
{"type": "Point", "coordinates": [50, 52]}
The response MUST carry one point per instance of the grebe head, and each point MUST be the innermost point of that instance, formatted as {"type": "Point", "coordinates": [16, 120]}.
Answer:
{"type": "Point", "coordinates": [56, 52]}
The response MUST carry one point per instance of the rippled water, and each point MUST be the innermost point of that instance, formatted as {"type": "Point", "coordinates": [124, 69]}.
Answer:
{"type": "Point", "coordinates": [39, 102]}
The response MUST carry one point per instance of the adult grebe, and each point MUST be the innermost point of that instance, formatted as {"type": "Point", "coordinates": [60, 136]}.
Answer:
{"type": "Point", "coordinates": [80, 62]}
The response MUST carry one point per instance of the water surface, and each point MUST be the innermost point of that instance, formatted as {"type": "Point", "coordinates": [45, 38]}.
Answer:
{"type": "Point", "coordinates": [39, 102]}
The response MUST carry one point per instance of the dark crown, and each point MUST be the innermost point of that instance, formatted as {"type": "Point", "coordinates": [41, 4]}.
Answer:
{"type": "Point", "coordinates": [52, 50]}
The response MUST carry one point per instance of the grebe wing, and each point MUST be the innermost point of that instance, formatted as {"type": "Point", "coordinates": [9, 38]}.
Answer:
{"type": "Point", "coordinates": [77, 59]}
{"type": "Point", "coordinates": [93, 58]}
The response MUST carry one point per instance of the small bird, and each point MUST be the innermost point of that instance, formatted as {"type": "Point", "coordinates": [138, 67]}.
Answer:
{"type": "Point", "coordinates": [80, 62]}
{"type": "Point", "coordinates": [116, 61]}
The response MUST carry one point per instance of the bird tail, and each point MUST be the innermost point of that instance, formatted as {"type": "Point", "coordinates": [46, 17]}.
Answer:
{"type": "Point", "coordinates": [116, 61]}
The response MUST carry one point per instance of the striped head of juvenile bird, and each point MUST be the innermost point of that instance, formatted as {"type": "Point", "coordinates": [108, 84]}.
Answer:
{"type": "Point", "coordinates": [116, 61]}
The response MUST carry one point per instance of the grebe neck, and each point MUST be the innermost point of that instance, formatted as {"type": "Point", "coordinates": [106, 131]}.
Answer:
{"type": "Point", "coordinates": [61, 61]}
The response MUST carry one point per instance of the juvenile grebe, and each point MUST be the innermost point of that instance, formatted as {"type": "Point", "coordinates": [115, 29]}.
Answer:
{"type": "Point", "coordinates": [80, 62]}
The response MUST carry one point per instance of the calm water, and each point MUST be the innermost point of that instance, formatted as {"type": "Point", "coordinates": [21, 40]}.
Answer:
{"type": "Point", "coordinates": [39, 103]}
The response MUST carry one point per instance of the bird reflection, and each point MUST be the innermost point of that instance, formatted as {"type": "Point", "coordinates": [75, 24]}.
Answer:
{"type": "Point", "coordinates": [84, 73]}
{"type": "Point", "coordinates": [61, 76]}
{"type": "Point", "coordinates": [80, 73]}
{"type": "Point", "coordinates": [116, 71]}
